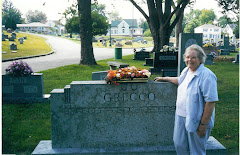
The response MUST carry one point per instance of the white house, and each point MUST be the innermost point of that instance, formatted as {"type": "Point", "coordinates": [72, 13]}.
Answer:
{"type": "Point", "coordinates": [125, 27]}
{"type": "Point", "coordinates": [35, 27]}
{"type": "Point", "coordinates": [58, 27]}
{"type": "Point", "coordinates": [229, 29]}
{"type": "Point", "coordinates": [210, 32]}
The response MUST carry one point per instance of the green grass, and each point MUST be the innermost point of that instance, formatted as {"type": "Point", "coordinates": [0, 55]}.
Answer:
{"type": "Point", "coordinates": [24, 125]}
{"type": "Point", "coordinates": [33, 45]}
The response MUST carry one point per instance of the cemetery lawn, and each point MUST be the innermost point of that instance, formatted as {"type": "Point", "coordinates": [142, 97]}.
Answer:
{"type": "Point", "coordinates": [25, 125]}
{"type": "Point", "coordinates": [33, 45]}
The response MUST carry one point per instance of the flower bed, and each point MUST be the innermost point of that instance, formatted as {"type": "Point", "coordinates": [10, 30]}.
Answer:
{"type": "Point", "coordinates": [128, 74]}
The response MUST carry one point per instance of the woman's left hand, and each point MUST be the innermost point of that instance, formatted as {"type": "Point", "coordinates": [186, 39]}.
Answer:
{"type": "Point", "coordinates": [201, 131]}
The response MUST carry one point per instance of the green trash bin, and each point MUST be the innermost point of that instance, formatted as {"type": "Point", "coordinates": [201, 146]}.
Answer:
{"type": "Point", "coordinates": [118, 53]}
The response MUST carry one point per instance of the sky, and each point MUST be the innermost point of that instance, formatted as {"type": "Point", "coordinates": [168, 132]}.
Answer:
{"type": "Point", "coordinates": [54, 8]}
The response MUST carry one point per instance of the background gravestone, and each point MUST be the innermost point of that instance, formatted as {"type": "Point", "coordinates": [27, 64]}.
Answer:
{"type": "Point", "coordinates": [23, 89]}
{"type": "Point", "coordinates": [13, 46]}
{"type": "Point", "coordinates": [100, 75]}
{"type": "Point", "coordinates": [186, 40]}
{"type": "Point", "coordinates": [141, 55]}
{"type": "Point", "coordinates": [226, 42]}
{"type": "Point", "coordinates": [20, 40]}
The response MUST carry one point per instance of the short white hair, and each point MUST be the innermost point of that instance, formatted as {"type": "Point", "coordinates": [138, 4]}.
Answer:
{"type": "Point", "coordinates": [200, 53]}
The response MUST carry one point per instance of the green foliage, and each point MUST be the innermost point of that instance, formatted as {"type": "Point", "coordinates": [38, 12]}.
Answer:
{"type": "Point", "coordinates": [144, 25]}
{"type": "Point", "coordinates": [236, 30]}
{"type": "Point", "coordinates": [99, 21]}
{"type": "Point", "coordinates": [189, 28]}
{"type": "Point", "coordinates": [224, 20]}
{"type": "Point", "coordinates": [10, 15]}
{"type": "Point", "coordinates": [147, 33]}
{"type": "Point", "coordinates": [207, 16]}
{"type": "Point", "coordinates": [198, 17]}
{"type": "Point", "coordinates": [35, 16]}
{"type": "Point", "coordinates": [100, 24]}
{"type": "Point", "coordinates": [72, 25]}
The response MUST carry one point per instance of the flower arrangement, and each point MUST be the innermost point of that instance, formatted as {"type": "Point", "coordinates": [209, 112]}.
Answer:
{"type": "Point", "coordinates": [128, 73]}
{"type": "Point", "coordinates": [19, 69]}
{"type": "Point", "coordinates": [207, 45]}
{"type": "Point", "coordinates": [167, 48]}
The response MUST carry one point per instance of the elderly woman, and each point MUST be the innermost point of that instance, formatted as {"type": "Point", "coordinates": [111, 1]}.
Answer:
{"type": "Point", "coordinates": [196, 97]}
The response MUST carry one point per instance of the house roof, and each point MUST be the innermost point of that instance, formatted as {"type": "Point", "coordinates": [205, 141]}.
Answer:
{"type": "Point", "coordinates": [35, 24]}
{"type": "Point", "coordinates": [232, 26]}
{"type": "Point", "coordinates": [131, 22]}
{"type": "Point", "coordinates": [207, 26]}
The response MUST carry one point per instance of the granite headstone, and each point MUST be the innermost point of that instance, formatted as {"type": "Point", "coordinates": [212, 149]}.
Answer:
{"type": "Point", "coordinates": [186, 40]}
{"type": "Point", "coordinates": [94, 117]}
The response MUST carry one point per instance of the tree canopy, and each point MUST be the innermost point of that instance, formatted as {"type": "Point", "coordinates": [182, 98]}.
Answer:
{"type": "Point", "coordinates": [99, 21]}
{"type": "Point", "coordinates": [198, 17]}
{"type": "Point", "coordinates": [10, 15]}
{"type": "Point", "coordinates": [35, 16]}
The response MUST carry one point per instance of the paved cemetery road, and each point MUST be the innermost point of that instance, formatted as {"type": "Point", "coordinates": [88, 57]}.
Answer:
{"type": "Point", "coordinates": [67, 52]}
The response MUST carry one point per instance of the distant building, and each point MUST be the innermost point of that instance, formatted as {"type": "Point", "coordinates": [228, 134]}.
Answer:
{"type": "Point", "coordinates": [34, 27]}
{"type": "Point", "coordinates": [229, 29]}
{"type": "Point", "coordinates": [210, 32]}
{"type": "Point", "coordinates": [59, 29]}
{"type": "Point", "coordinates": [125, 27]}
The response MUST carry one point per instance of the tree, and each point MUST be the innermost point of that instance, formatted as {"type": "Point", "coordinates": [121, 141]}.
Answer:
{"type": "Point", "coordinates": [159, 19]}
{"type": "Point", "coordinates": [229, 6]}
{"type": "Point", "coordinates": [189, 28]}
{"type": "Point", "coordinates": [35, 16]}
{"type": "Point", "coordinates": [147, 33]}
{"type": "Point", "coordinates": [99, 24]}
{"type": "Point", "coordinates": [114, 16]}
{"type": "Point", "coordinates": [72, 25]}
{"type": "Point", "coordinates": [144, 25]}
{"type": "Point", "coordinates": [10, 15]}
{"type": "Point", "coordinates": [236, 30]}
{"type": "Point", "coordinates": [207, 16]}
{"type": "Point", "coordinates": [224, 20]}
{"type": "Point", "coordinates": [84, 11]}
{"type": "Point", "coordinates": [198, 17]}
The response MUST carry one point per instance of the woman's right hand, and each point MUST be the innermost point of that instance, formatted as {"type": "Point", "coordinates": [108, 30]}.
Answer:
{"type": "Point", "coordinates": [159, 79]}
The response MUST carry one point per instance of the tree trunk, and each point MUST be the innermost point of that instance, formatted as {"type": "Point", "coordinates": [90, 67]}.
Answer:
{"type": "Point", "coordinates": [84, 9]}
{"type": "Point", "coordinates": [159, 20]}
{"type": "Point", "coordinates": [179, 29]}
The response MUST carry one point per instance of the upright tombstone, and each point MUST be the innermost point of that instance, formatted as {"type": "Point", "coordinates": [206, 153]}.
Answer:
{"type": "Point", "coordinates": [23, 89]}
{"type": "Point", "coordinates": [226, 48]}
{"type": "Point", "coordinates": [226, 42]}
{"type": "Point", "coordinates": [186, 40]}
{"type": "Point", "coordinates": [209, 60]}
{"type": "Point", "coordinates": [236, 59]}
{"type": "Point", "coordinates": [13, 46]}
{"type": "Point", "coordinates": [96, 118]}
{"type": "Point", "coordinates": [100, 75]}
{"type": "Point", "coordinates": [20, 40]}
{"type": "Point", "coordinates": [3, 39]}
{"type": "Point", "coordinates": [141, 55]}
{"type": "Point", "coordinates": [11, 38]}
{"type": "Point", "coordinates": [14, 35]}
